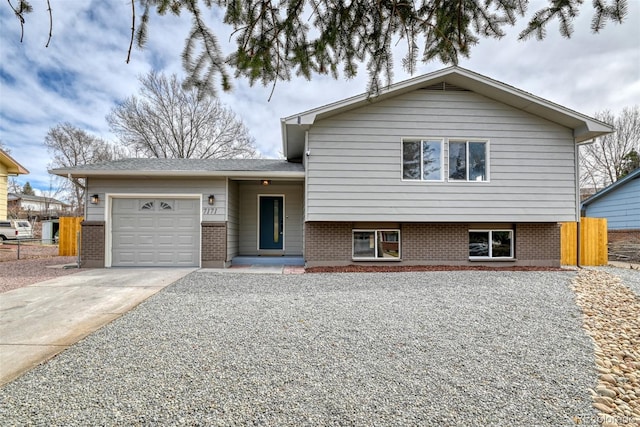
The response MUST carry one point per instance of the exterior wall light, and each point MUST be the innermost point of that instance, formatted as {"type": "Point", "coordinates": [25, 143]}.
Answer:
{"type": "Point", "coordinates": [211, 199]}
{"type": "Point", "coordinates": [265, 182]}
{"type": "Point", "coordinates": [95, 199]}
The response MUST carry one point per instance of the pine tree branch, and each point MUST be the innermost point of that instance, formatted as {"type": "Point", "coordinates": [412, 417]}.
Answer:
{"type": "Point", "coordinates": [50, 23]}
{"type": "Point", "coordinates": [133, 29]}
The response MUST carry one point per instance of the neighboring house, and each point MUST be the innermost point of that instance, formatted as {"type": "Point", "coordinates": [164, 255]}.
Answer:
{"type": "Point", "coordinates": [8, 167]}
{"type": "Point", "coordinates": [448, 168]}
{"type": "Point", "coordinates": [25, 205]}
{"type": "Point", "coordinates": [619, 203]}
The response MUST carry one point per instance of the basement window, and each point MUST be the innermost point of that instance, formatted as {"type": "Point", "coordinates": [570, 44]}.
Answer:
{"type": "Point", "coordinates": [490, 244]}
{"type": "Point", "coordinates": [376, 245]}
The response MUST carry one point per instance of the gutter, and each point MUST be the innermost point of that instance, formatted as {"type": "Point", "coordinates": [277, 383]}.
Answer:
{"type": "Point", "coordinates": [79, 173]}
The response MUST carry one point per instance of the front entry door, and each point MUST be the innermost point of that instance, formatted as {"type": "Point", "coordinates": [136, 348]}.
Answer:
{"type": "Point", "coordinates": [271, 222]}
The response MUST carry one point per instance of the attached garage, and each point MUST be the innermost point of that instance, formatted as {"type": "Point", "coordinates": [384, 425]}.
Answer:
{"type": "Point", "coordinates": [155, 232]}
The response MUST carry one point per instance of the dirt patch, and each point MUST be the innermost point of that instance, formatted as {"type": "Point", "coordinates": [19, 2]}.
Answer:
{"type": "Point", "coordinates": [27, 250]}
{"type": "Point", "coordinates": [627, 251]}
{"type": "Point", "coordinates": [33, 266]}
{"type": "Point", "coordinates": [405, 268]}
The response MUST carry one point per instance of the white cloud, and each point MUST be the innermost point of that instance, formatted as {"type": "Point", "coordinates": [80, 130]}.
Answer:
{"type": "Point", "coordinates": [587, 73]}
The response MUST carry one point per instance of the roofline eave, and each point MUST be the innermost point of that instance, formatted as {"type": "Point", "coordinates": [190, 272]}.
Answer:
{"type": "Point", "coordinates": [90, 173]}
{"type": "Point", "coordinates": [635, 174]}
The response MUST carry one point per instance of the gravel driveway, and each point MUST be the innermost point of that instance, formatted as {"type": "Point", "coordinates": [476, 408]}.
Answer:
{"type": "Point", "coordinates": [441, 348]}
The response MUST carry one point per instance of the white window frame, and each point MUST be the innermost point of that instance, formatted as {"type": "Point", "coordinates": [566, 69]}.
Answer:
{"type": "Point", "coordinates": [421, 141]}
{"type": "Point", "coordinates": [491, 231]}
{"type": "Point", "coordinates": [375, 249]}
{"type": "Point", "coordinates": [466, 141]}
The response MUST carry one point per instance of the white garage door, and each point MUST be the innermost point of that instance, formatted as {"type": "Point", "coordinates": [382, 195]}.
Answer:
{"type": "Point", "coordinates": [155, 232]}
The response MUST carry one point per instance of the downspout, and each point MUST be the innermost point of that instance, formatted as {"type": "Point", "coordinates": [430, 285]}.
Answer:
{"type": "Point", "coordinates": [578, 241]}
{"type": "Point", "coordinates": [305, 164]}
{"type": "Point", "coordinates": [578, 202]}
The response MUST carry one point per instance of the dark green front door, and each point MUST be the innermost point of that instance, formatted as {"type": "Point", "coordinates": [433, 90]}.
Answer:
{"type": "Point", "coordinates": [271, 224]}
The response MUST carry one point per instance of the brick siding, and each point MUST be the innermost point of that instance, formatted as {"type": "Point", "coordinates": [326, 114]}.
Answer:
{"type": "Point", "coordinates": [214, 244]}
{"type": "Point", "coordinates": [436, 243]}
{"type": "Point", "coordinates": [92, 244]}
{"type": "Point", "coordinates": [330, 244]}
{"type": "Point", "coordinates": [538, 244]}
{"type": "Point", "coordinates": [616, 236]}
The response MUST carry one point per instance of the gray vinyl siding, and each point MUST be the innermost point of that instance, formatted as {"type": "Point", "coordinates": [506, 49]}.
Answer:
{"type": "Point", "coordinates": [293, 211]}
{"type": "Point", "coordinates": [175, 186]}
{"type": "Point", "coordinates": [354, 171]}
{"type": "Point", "coordinates": [233, 220]}
{"type": "Point", "coordinates": [621, 207]}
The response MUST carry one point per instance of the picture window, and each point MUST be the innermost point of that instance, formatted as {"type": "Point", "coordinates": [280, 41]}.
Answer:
{"type": "Point", "coordinates": [422, 160]}
{"type": "Point", "coordinates": [468, 161]}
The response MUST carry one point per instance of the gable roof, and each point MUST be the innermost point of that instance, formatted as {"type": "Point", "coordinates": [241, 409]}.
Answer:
{"type": "Point", "coordinates": [13, 167]}
{"type": "Point", "coordinates": [584, 127]}
{"type": "Point", "coordinates": [635, 174]}
{"type": "Point", "coordinates": [240, 168]}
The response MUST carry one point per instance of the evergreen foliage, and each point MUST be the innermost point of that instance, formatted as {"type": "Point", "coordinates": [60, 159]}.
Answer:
{"type": "Point", "coordinates": [27, 190]}
{"type": "Point", "coordinates": [278, 38]}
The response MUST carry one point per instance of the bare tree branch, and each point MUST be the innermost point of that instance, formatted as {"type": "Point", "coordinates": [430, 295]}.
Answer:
{"type": "Point", "coordinates": [605, 161]}
{"type": "Point", "coordinates": [71, 146]}
{"type": "Point", "coordinates": [166, 120]}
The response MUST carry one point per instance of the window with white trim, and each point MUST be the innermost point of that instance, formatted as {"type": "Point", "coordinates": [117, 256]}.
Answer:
{"type": "Point", "coordinates": [422, 160]}
{"type": "Point", "coordinates": [383, 245]}
{"type": "Point", "coordinates": [490, 244]}
{"type": "Point", "coordinates": [468, 161]}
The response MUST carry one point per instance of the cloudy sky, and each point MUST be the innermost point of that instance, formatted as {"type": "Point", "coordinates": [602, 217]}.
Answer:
{"type": "Point", "coordinates": [82, 75]}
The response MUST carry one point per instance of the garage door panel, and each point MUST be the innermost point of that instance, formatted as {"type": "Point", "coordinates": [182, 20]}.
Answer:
{"type": "Point", "coordinates": [165, 240]}
{"type": "Point", "coordinates": [165, 257]}
{"type": "Point", "coordinates": [124, 258]}
{"type": "Point", "coordinates": [155, 232]}
{"type": "Point", "coordinates": [145, 222]}
{"type": "Point", "coordinates": [185, 222]}
{"type": "Point", "coordinates": [127, 243]}
{"type": "Point", "coordinates": [124, 222]}
{"type": "Point", "coordinates": [186, 260]}
{"type": "Point", "coordinates": [127, 205]}
{"type": "Point", "coordinates": [185, 240]}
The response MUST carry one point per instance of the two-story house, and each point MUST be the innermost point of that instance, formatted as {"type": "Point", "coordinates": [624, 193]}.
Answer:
{"type": "Point", "coordinates": [448, 168]}
{"type": "Point", "coordinates": [8, 167]}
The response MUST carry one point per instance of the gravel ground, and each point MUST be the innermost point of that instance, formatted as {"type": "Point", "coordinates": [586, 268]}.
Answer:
{"type": "Point", "coordinates": [441, 348]}
{"type": "Point", "coordinates": [32, 266]}
{"type": "Point", "coordinates": [630, 276]}
{"type": "Point", "coordinates": [610, 313]}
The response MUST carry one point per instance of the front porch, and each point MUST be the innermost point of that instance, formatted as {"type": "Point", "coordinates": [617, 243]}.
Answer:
{"type": "Point", "coordinates": [268, 260]}
{"type": "Point", "coordinates": [265, 222]}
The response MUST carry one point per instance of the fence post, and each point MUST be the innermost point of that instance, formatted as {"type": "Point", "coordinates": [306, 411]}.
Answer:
{"type": "Point", "coordinates": [78, 246]}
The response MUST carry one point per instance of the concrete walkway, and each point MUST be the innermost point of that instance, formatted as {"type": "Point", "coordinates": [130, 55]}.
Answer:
{"type": "Point", "coordinates": [39, 321]}
{"type": "Point", "coordinates": [257, 269]}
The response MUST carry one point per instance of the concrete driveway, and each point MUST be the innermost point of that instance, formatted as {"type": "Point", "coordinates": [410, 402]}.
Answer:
{"type": "Point", "coordinates": [39, 321]}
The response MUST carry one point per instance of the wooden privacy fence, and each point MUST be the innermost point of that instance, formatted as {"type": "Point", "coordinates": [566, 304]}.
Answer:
{"type": "Point", "coordinates": [68, 235]}
{"type": "Point", "coordinates": [593, 242]}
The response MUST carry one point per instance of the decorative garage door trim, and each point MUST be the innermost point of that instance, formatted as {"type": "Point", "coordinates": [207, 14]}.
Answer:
{"type": "Point", "coordinates": [154, 230]}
